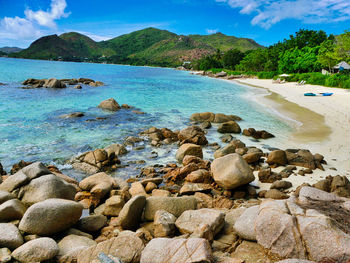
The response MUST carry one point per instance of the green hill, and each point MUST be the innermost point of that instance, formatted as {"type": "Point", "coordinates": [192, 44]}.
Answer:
{"type": "Point", "coordinates": [224, 42]}
{"type": "Point", "coordinates": [149, 46]}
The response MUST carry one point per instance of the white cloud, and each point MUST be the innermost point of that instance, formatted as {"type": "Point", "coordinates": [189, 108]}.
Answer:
{"type": "Point", "coordinates": [211, 31]}
{"type": "Point", "coordinates": [269, 12]}
{"type": "Point", "coordinates": [34, 24]}
{"type": "Point", "coordinates": [48, 18]}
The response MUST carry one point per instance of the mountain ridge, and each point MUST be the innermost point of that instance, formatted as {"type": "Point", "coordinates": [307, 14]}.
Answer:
{"type": "Point", "coordinates": [150, 46]}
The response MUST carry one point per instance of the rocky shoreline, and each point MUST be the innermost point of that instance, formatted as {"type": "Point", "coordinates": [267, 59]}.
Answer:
{"type": "Point", "coordinates": [191, 210]}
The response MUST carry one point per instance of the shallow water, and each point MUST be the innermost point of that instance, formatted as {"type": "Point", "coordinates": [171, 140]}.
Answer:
{"type": "Point", "coordinates": [30, 127]}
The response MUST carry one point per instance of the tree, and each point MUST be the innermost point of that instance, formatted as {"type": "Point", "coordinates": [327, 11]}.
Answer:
{"type": "Point", "coordinates": [326, 54]}
{"type": "Point", "coordinates": [208, 62]}
{"type": "Point", "coordinates": [299, 60]}
{"type": "Point", "coordinates": [232, 58]}
{"type": "Point", "coordinates": [254, 60]}
{"type": "Point", "coordinates": [342, 49]}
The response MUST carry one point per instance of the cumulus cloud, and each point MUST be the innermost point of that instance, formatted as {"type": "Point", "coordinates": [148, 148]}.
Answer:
{"type": "Point", "coordinates": [211, 31]}
{"type": "Point", "coordinates": [269, 12]}
{"type": "Point", "coordinates": [34, 24]}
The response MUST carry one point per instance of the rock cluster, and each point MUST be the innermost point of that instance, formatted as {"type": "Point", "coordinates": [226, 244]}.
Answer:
{"type": "Point", "coordinates": [59, 84]}
{"type": "Point", "coordinates": [257, 134]}
{"type": "Point", "coordinates": [213, 117]}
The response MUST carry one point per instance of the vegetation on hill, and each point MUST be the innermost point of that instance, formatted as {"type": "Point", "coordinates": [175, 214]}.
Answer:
{"type": "Point", "coordinates": [149, 46]}
{"type": "Point", "coordinates": [225, 43]}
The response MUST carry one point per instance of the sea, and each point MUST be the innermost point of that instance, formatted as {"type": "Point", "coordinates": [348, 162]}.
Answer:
{"type": "Point", "coordinates": [31, 128]}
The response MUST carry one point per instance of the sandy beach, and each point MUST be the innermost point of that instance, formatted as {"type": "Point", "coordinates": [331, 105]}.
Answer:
{"type": "Point", "coordinates": [324, 122]}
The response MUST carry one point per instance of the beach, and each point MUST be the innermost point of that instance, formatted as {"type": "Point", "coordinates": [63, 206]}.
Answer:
{"type": "Point", "coordinates": [322, 123]}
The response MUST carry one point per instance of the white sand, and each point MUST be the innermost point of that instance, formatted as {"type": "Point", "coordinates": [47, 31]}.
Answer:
{"type": "Point", "coordinates": [325, 122]}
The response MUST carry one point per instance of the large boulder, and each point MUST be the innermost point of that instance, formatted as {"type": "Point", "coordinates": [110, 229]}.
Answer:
{"type": "Point", "coordinates": [73, 243]}
{"type": "Point", "coordinates": [127, 247]}
{"type": "Point", "coordinates": [11, 210]}
{"type": "Point", "coordinates": [24, 176]}
{"type": "Point", "coordinates": [192, 220]}
{"type": "Point", "coordinates": [245, 224]}
{"type": "Point", "coordinates": [110, 105]}
{"type": "Point", "coordinates": [192, 250]}
{"type": "Point", "coordinates": [231, 171]}
{"type": "Point", "coordinates": [36, 250]}
{"type": "Point", "coordinates": [99, 185]}
{"type": "Point", "coordinates": [55, 214]}
{"type": "Point", "coordinates": [278, 157]}
{"type": "Point", "coordinates": [114, 205]}
{"type": "Point", "coordinates": [188, 149]}
{"type": "Point", "coordinates": [173, 205]}
{"type": "Point", "coordinates": [130, 215]}
{"type": "Point", "coordinates": [10, 236]}
{"type": "Point", "coordinates": [212, 117]}
{"type": "Point", "coordinates": [193, 134]}
{"type": "Point", "coordinates": [229, 127]}
{"type": "Point", "coordinates": [5, 196]}
{"type": "Point", "coordinates": [46, 187]}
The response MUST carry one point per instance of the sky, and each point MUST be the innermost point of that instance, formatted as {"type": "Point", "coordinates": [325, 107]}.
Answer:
{"type": "Point", "coordinates": [265, 21]}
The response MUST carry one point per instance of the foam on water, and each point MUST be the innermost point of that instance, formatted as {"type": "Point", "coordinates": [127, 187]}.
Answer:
{"type": "Point", "coordinates": [30, 127]}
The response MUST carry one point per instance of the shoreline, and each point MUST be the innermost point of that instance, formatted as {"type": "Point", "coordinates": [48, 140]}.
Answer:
{"type": "Point", "coordinates": [325, 121]}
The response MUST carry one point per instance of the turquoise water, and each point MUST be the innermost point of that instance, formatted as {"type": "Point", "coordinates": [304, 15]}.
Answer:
{"type": "Point", "coordinates": [30, 127]}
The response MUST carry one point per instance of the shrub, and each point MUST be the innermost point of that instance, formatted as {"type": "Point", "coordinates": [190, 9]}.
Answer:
{"type": "Point", "coordinates": [266, 74]}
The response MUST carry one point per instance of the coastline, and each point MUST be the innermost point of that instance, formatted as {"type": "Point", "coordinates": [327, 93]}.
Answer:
{"type": "Point", "coordinates": [325, 121]}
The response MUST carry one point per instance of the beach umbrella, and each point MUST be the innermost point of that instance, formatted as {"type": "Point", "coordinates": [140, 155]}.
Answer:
{"type": "Point", "coordinates": [284, 75]}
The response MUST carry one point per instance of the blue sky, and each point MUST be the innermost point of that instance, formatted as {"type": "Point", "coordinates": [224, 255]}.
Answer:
{"type": "Point", "coordinates": [265, 21]}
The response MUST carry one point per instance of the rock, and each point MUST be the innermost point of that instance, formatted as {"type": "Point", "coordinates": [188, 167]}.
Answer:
{"type": "Point", "coordinates": [5, 196]}
{"type": "Point", "coordinates": [130, 215]}
{"type": "Point", "coordinates": [99, 184]}
{"type": "Point", "coordinates": [251, 252]}
{"type": "Point", "coordinates": [77, 87]}
{"type": "Point", "coordinates": [275, 194]}
{"type": "Point", "coordinates": [160, 193]}
{"type": "Point", "coordinates": [10, 236]}
{"type": "Point", "coordinates": [191, 220]}
{"type": "Point", "coordinates": [194, 135]}
{"type": "Point", "coordinates": [188, 149]}
{"type": "Point", "coordinates": [59, 214]}
{"type": "Point", "coordinates": [164, 224]}
{"type": "Point", "coordinates": [23, 176]}
{"type": "Point", "coordinates": [257, 134]}
{"type": "Point", "coordinates": [2, 171]}
{"type": "Point", "coordinates": [11, 210]}
{"type": "Point", "coordinates": [252, 157]}
{"type": "Point", "coordinates": [72, 115]}
{"type": "Point", "coordinates": [278, 157]}
{"type": "Point", "coordinates": [110, 105]}
{"type": "Point", "coordinates": [176, 250]}
{"type": "Point", "coordinates": [295, 261]}
{"type": "Point", "coordinates": [303, 158]}
{"type": "Point", "coordinates": [191, 188]}
{"type": "Point", "coordinates": [204, 116]}
{"type": "Point", "coordinates": [5, 255]}
{"type": "Point", "coordinates": [221, 74]}
{"type": "Point", "coordinates": [117, 149]}
{"type": "Point", "coordinates": [46, 187]}
{"type": "Point", "coordinates": [92, 223]}
{"type": "Point", "coordinates": [150, 187]}
{"type": "Point", "coordinates": [245, 224]}
{"type": "Point", "coordinates": [280, 184]}
{"type": "Point", "coordinates": [114, 205]}
{"type": "Point", "coordinates": [231, 171]}
{"type": "Point", "coordinates": [74, 243]}
{"type": "Point", "coordinates": [18, 166]}
{"type": "Point", "coordinates": [37, 250]}
{"type": "Point", "coordinates": [229, 127]}
{"type": "Point", "coordinates": [267, 176]}
{"type": "Point", "coordinates": [127, 247]}
{"type": "Point", "coordinates": [224, 151]}
{"type": "Point", "coordinates": [277, 230]}
{"type": "Point", "coordinates": [206, 125]}
{"type": "Point", "coordinates": [173, 205]}
{"type": "Point", "coordinates": [199, 176]}
{"type": "Point", "coordinates": [54, 84]}
{"type": "Point", "coordinates": [220, 118]}
{"type": "Point", "coordinates": [137, 189]}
